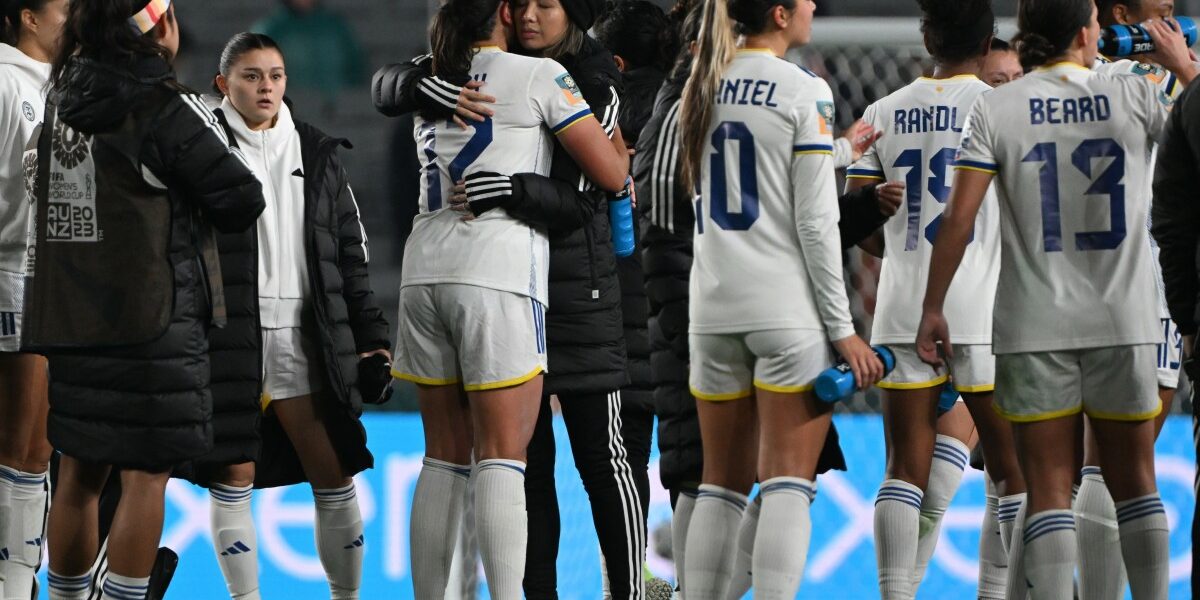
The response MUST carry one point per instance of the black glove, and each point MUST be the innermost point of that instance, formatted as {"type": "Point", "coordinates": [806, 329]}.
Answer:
{"type": "Point", "coordinates": [486, 190]}
{"type": "Point", "coordinates": [375, 379]}
{"type": "Point", "coordinates": [434, 89]}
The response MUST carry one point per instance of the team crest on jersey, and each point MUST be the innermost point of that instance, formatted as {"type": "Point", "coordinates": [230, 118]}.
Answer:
{"type": "Point", "coordinates": [826, 111]}
{"type": "Point", "coordinates": [27, 110]}
{"type": "Point", "coordinates": [569, 89]}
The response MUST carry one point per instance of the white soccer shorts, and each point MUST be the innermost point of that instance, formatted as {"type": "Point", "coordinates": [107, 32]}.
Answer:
{"type": "Point", "coordinates": [973, 369]}
{"type": "Point", "coordinates": [1114, 383]}
{"type": "Point", "coordinates": [730, 366]}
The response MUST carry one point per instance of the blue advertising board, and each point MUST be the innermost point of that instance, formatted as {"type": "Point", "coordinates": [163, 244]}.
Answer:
{"type": "Point", "coordinates": [841, 560]}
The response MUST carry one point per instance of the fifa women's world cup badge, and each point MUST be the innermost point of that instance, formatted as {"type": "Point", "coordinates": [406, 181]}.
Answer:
{"type": "Point", "coordinates": [71, 202]}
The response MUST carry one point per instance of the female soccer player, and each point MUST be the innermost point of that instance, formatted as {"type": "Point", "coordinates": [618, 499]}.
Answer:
{"type": "Point", "coordinates": [31, 29]}
{"type": "Point", "coordinates": [130, 373]}
{"type": "Point", "coordinates": [1001, 64]}
{"type": "Point", "coordinates": [1071, 332]}
{"type": "Point", "coordinates": [767, 123]}
{"type": "Point", "coordinates": [474, 290]}
{"type": "Point", "coordinates": [923, 121]}
{"type": "Point", "coordinates": [311, 327]}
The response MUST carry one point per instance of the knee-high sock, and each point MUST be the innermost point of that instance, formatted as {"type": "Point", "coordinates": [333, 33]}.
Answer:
{"type": "Point", "coordinates": [64, 587]}
{"type": "Point", "coordinates": [680, 519]}
{"type": "Point", "coordinates": [339, 535]}
{"type": "Point", "coordinates": [993, 562]}
{"type": "Point", "coordinates": [950, 457]}
{"type": "Point", "coordinates": [712, 540]}
{"type": "Point", "coordinates": [433, 531]}
{"type": "Point", "coordinates": [1017, 587]}
{"type": "Point", "coordinates": [741, 576]}
{"type": "Point", "coordinates": [897, 516]}
{"type": "Point", "coordinates": [784, 529]}
{"type": "Point", "coordinates": [501, 524]}
{"type": "Point", "coordinates": [119, 587]}
{"type": "Point", "coordinates": [23, 540]}
{"type": "Point", "coordinates": [1101, 571]}
{"type": "Point", "coordinates": [1050, 554]}
{"type": "Point", "coordinates": [235, 539]}
{"type": "Point", "coordinates": [1006, 515]}
{"type": "Point", "coordinates": [1145, 539]}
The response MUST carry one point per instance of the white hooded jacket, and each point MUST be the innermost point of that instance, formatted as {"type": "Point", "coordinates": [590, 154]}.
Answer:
{"type": "Point", "coordinates": [274, 156]}
{"type": "Point", "coordinates": [22, 108]}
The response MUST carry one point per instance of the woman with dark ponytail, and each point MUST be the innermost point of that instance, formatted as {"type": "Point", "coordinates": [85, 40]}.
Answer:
{"type": "Point", "coordinates": [31, 29]}
{"type": "Point", "coordinates": [927, 451]}
{"type": "Point", "coordinates": [1071, 331]}
{"type": "Point", "coordinates": [475, 288]}
{"type": "Point", "coordinates": [126, 282]}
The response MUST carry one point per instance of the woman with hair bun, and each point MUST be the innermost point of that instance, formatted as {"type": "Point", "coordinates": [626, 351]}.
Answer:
{"type": "Point", "coordinates": [31, 29]}
{"type": "Point", "coordinates": [125, 285]}
{"type": "Point", "coordinates": [1068, 149]}
{"type": "Point", "coordinates": [305, 339]}
{"type": "Point", "coordinates": [927, 451]}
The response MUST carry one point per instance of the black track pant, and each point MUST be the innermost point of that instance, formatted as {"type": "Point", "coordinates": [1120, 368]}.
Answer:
{"type": "Point", "coordinates": [594, 427]}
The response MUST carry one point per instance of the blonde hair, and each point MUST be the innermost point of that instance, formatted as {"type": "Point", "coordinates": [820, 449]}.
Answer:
{"type": "Point", "coordinates": [715, 48]}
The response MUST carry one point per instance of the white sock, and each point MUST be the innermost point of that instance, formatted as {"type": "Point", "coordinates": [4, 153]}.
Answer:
{"type": "Point", "coordinates": [1145, 539]}
{"type": "Point", "coordinates": [26, 509]}
{"type": "Point", "coordinates": [235, 539]}
{"type": "Point", "coordinates": [993, 562]}
{"type": "Point", "coordinates": [119, 587]}
{"type": "Point", "coordinates": [1006, 515]}
{"type": "Point", "coordinates": [784, 529]}
{"type": "Point", "coordinates": [1017, 587]}
{"type": "Point", "coordinates": [1050, 554]}
{"type": "Point", "coordinates": [950, 457]}
{"type": "Point", "coordinates": [712, 541]}
{"type": "Point", "coordinates": [897, 516]}
{"type": "Point", "coordinates": [502, 525]}
{"type": "Point", "coordinates": [339, 535]}
{"type": "Point", "coordinates": [64, 587]}
{"type": "Point", "coordinates": [680, 519]}
{"type": "Point", "coordinates": [1101, 571]}
{"type": "Point", "coordinates": [437, 508]}
{"type": "Point", "coordinates": [741, 575]}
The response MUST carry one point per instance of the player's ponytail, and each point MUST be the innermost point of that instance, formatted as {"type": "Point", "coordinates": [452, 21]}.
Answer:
{"type": "Point", "coordinates": [456, 27]}
{"type": "Point", "coordinates": [714, 50]}
{"type": "Point", "coordinates": [956, 30]}
{"type": "Point", "coordinates": [1046, 29]}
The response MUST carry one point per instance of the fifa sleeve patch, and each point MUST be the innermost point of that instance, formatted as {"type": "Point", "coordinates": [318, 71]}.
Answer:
{"type": "Point", "coordinates": [825, 112]}
{"type": "Point", "coordinates": [570, 91]}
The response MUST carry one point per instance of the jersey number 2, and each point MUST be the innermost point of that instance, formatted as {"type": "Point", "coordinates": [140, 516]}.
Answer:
{"type": "Point", "coordinates": [470, 152]}
{"type": "Point", "coordinates": [1108, 183]}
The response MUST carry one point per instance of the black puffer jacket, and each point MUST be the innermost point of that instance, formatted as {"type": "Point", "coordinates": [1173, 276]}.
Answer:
{"type": "Point", "coordinates": [667, 259]}
{"type": "Point", "coordinates": [584, 327]}
{"type": "Point", "coordinates": [348, 323]}
{"type": "Point", "coordinates": [129, 380]}
{"type": "Point", "coordinates": [1175, 217]}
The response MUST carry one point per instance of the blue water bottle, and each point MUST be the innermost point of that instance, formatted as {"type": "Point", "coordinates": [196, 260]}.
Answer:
{"type": "Point", "coordinates": [620, 217]}
{"type": "Point", "coordinates": [1124, 40]}
{"type": "Point", "coordinates": [837, 382]}
{"type": "Point", "coordinates": [948, 398]}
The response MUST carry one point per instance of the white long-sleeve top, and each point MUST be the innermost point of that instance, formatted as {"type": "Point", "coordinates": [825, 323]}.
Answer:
{"type": "Point", "coordinates": [274, 155]}
{"type": "Point", "coordinates": [22, 106]}
{"type": "Point", "coordinates": [768, 252]}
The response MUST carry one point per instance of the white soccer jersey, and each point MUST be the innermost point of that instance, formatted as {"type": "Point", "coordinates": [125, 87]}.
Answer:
{"type": "Point", "coordinates": [534, 97]}
{"type": "Point", "coordinates": [922, 125]}
{"type": "Point", "coordinates": [1072, 149]}
{"type": "Point", "coordinates": [767, 250]}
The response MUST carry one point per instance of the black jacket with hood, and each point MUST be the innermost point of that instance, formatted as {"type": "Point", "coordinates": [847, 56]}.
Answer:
{"type": "Point", "coordinates": [132, 173]}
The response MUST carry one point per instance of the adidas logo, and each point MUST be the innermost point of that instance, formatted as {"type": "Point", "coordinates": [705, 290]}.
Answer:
{"type": "Point", "coordinates": [3, 553]}
{"type": "Point", "coordinates": [34, 542]}
{"type": "Point", "coordinates": [357, 543]}
{"type": "Point", "coordinates": [237, 548]}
